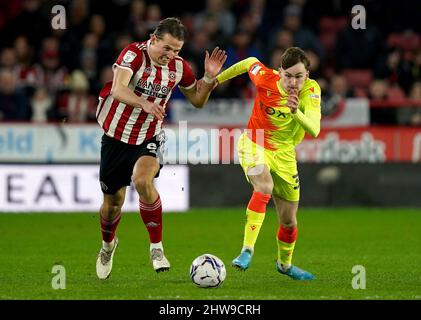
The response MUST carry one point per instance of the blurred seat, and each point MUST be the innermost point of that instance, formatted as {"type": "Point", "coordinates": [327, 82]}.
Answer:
{"type": "Point", "coordinates": [328, 30]}
{"type": "Point", "coordinates": [396, 93]}
{"type": "Point", "coordinates": [327, 24]}
{"type": "Point", "coordinates": [360, 92]}
{"type": "Point", "coordinates": [332, 24]}
{"type": "Point", "coordinates": [358, 78]}
{"type": "Point", "coordinates": [328, 40]}
{"type": "Point", "coordinates": [407, 40]}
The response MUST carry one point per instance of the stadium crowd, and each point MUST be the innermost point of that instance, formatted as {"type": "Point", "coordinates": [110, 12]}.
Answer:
{"type": "Point", "coordinates": [49, 75]}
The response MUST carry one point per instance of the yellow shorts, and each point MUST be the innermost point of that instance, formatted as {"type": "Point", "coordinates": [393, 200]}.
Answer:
{"type": "Point", "coordinates": [284, 172]}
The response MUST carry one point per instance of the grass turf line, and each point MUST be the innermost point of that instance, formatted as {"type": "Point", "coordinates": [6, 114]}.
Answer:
{"type": "Point", "coordinates": [330, 242]}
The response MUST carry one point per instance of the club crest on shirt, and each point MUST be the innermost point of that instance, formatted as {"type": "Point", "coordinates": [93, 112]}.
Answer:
{"type": "Point", "coordinates": [315, 99]}
{"type": "Point", "coordinates": [172, 75]}
{"type": "Point", "coordinates": [129, 56]}
{"type": "Point", "coordinates": [148, 70]}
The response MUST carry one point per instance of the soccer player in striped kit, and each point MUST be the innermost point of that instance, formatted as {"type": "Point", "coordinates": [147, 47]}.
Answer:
{"type": "Point", "coordinates": [130, 111]}
{"type": "Point", "coordinates": [287, 105]}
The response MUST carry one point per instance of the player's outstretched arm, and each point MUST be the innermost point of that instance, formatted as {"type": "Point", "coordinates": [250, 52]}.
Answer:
{"type": "Point", "coordinates": [236, 69]}
{"type": "Point", "coordinates": [199, 94]}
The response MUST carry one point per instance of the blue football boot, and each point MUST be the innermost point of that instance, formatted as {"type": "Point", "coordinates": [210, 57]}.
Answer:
{"type": "Point", "coordinates": [242, 262]}
{"type": "Point", "coordinates": [295, 272]}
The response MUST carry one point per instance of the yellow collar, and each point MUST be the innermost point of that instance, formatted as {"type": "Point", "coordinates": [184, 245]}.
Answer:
{"type": "Point", "coordinates": [281, 90]}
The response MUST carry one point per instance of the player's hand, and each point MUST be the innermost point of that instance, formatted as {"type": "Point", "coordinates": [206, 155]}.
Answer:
{"type": "Point", "coordinates": [214, 62]}
{"type": "Point", "coordinates": [292, 102]}
{"type": "Point", "coordinates": [154, 109]}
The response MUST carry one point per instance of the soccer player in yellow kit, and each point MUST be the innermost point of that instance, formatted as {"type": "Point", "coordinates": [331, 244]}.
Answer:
{"type": "Point", "coordinates": [287, 105]}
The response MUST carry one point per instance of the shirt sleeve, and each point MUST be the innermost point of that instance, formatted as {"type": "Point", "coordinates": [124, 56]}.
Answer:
{"type": "Point", "coordinates": [236, 69]}
{"type": "Point", "coordinates": [188, 80]}
{"type": "Point", "coordinates": [310, 117]}
{"type": "Point", "coordinates": [257, 72]}
{"type": "Point", "coordinates": [130, 58]}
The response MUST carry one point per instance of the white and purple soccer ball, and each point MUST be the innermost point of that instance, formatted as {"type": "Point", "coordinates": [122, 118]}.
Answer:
{"type": "Point", "coordinates": [207, 271]}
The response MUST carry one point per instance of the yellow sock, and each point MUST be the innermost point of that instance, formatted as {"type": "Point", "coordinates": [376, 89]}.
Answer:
{"type": "Point", "coordinates": [253, 224]}
{"type": "Point", "coordinates": [285, 251]}
{"type": "Point", "coordinates": [286, 239]}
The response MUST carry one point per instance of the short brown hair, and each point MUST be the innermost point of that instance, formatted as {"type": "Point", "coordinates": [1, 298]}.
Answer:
{"type": "Point", "coordinates": [292, 56]}
{"type": "Point", "coordinates": [172, 26]}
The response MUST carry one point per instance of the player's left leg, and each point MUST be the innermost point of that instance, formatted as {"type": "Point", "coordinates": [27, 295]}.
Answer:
{"type": "Point", "coordinates": [261, 180]}
{"type": "Point", "coordinates": [287, 231]}
{"type": "Point", "coordinates": [144, 172]}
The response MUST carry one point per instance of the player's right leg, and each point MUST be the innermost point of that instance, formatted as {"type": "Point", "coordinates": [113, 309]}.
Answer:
{"type": "Point", "coordinates": [110, 214]}
{"type": "Point", "coordinates": [114, 175]}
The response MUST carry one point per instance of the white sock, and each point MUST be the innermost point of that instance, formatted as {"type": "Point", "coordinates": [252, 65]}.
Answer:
{"type": "Point", "coordinates": [157, 245]}
{"type": "Point", "coordinates": [108, 245]}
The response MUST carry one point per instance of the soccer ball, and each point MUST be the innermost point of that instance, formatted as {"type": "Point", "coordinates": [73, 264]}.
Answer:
{"type": "Point", "coordinates": [207, 271]}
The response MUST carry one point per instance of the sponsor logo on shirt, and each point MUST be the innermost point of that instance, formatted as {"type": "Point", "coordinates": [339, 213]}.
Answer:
{"type": "Point", "coordinates": [153, 89]}
{"type": "Point", "coordinates": [255, 69]}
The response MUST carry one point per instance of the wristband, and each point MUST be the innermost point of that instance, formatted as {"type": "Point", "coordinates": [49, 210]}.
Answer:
{"type": "Point", "coordinates": [208, 80]}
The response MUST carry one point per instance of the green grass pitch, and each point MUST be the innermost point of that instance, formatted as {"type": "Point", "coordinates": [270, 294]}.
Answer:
{"type": "Point", "coordinates": [386, 242]}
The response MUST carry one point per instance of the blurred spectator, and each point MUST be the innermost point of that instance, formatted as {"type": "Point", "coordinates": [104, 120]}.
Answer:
{"type": "Point", "coordinates": [14, 105]}
{"type": "Point", "coordinates": [315, 65]}
{"type": "Point", "coordinates": [78, 26]}
{"type": "Point", "coordinates": [275, 59]}
{"type": "Point", "coordinates": [105, 76]}
{"type": "Point", "coordinates": [303, 37]}
{"type": "Point", "coordinates": [31, 22]}
{"type": "Point", "coordinates": [153, 16]}
{"type": "Point", "coordinates": [241, 49]}
{"type": "Point", "coordinates": [216, 8]}
{"type": "Point", "coordinates": [196, 49]}
{"type": "Point", "coordinates": [396, 70]}
{"type": "Point", "coordinates": [358, 48]}
{"type": "Point", "coordinates": [77, 105]}
{"type": "Point", "coordinates": [378, 89]}
{"type": "Point", "coordinates": [136, 20]}
{"type": "Point", "coordinates": [416, 67]}
{"type": "Point", "coordinates": [88, 56]}
{"type": "Point", "coordinates": [378, 93]}
{"type": "Point", "coordinates": [26, 72]}
{"type": "Point", "coordinates": [98, 30]}
{"type": "Point", "coordinates": [41, 104]}
{"type": "Point", "coordinates": [8, 60]}
{"type": "Point", "coordinates": [104, 48]}
{"type": "Point", "coordinates": [122, 41]}
{"type": "Point", "coordinates": [214, 31]}
{"type": "Point", "coordinates": [410, 115]}
{"type": "Point", "coordinates": [335, 94]}
{"type": "Point", "coordinates": [51, 74]}
{"type": "Point", "coordinates": [283, 39]}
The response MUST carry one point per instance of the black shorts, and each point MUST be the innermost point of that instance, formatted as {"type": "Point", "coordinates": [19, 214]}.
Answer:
{"type": "Point", "coordinates": [118, 160]}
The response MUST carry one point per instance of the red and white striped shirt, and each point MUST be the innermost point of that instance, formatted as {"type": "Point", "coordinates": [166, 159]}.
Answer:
{"type": "Point", "coordinates": [150, 81]}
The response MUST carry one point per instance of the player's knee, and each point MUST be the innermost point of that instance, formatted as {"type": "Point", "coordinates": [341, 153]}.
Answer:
{"type": "Point", "coordinates": [289, 224]}
{"type": "Point", "coordinates": [111, 209]}
{"type": "Point", "coordinates": [265, 187]}
{"type": "Point", "coordinates": [143, 185]}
